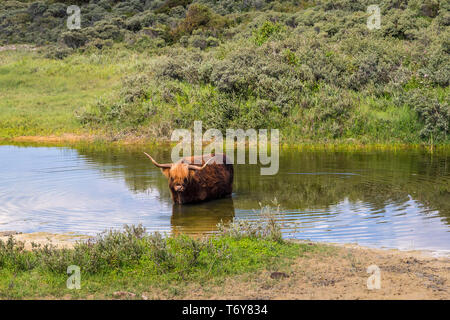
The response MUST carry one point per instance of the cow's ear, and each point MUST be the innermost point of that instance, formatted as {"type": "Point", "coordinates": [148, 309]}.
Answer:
{"type": "Point", "coordinates": [165, 171]}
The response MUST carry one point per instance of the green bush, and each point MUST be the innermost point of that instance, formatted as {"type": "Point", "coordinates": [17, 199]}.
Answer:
{"type": "Point", "coordinates": [267, 30]}
{"type": "Point", "coordinates": [300, 65]}
{"type": "Point", "coordinates": [434, 114]}
{"type": "Point", "coordinates": [75, 38]}
{"type": "Point", "coordinates": [117, 251]}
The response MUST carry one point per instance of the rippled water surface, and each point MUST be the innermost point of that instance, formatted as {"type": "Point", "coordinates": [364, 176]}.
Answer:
{"type": "Point", "coordinates": [384, 199]}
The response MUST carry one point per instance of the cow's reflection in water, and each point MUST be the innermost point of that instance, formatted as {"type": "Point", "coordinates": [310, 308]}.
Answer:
{"type": "Point", "coordinates": [197, 219]}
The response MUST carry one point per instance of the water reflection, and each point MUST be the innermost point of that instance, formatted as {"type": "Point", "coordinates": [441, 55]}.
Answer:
{"type": "Point", "coordinates": [393, 199]}
{"type": "Point", "coordinates": [201, 218]}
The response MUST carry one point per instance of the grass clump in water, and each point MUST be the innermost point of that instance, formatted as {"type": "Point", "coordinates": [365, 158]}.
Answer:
{"type": "Point", "coordinates": [264, 228]}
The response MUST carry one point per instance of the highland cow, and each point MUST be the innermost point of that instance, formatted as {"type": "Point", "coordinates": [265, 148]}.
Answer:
{"type": "Point", "coordinates": [211, 178]}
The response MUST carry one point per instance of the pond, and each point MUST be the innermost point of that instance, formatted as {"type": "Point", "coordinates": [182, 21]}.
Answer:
{"type": "Point", "coordinates": [381, 199]}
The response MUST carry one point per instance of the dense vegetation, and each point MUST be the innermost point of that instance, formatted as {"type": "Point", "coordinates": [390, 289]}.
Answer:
{"type": "Point", "coordinates": [138, 262]}
{"type": "Point", "coordinates": [311, 68]}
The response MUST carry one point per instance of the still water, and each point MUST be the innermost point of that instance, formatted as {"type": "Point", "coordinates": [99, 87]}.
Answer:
{"type": "Point", "coordinates": [379, 199]}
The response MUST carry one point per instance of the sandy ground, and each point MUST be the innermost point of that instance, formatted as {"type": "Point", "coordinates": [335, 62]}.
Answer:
{"type": "Point", "coordinates": [75, 138]}
{"type": "Point", "coordinates": [18, 47]}
{"type": "Point", "coordinates": [340, 273]}
{"type": "Point", "coordinates": [66, 240]}
{"type": "Point", "coordinates": [54, 139]}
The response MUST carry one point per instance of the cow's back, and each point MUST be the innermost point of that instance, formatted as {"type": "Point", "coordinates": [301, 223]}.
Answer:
{"type": "Point", "coordinates": [216, 179]}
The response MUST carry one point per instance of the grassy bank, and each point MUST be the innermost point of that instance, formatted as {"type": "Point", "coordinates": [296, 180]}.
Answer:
{"type": "Point", "coordinates": [238, 264]}
{"type": "Point", "coordinates": [133, 261]}
{"type": "Point", "coordinates": [314, 70]}
{"type": "Point", "coordinates": [39, 97]}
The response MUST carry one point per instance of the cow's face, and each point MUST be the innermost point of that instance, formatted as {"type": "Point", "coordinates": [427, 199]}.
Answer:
{"type": "Point", "coordinates": [179, 176]}
{"type": "Point", "coordinates": [179, 173]}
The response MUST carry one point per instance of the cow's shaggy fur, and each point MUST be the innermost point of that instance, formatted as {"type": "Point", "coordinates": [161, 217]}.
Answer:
{"type": "Point", "coordinates": [212, 182]}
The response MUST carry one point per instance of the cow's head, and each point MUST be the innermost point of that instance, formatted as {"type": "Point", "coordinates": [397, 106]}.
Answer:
{"type": "Point", "coordinates": [179, 173]}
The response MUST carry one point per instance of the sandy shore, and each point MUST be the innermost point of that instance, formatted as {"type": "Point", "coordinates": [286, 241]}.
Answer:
{"type": "Point", "coordinates": [340, 275]}
{"type": "Point", "coordinates": [65, 240]}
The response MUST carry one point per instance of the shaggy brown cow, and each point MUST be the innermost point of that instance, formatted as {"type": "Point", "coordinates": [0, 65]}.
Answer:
{"type": "Point", "coordinates": [193, 183]}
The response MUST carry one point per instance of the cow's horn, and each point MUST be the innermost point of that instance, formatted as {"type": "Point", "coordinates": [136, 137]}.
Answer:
{"type": "Point", "coordinates": [192, 167]}
{"type": "Point", "coordinates": [164, 165]}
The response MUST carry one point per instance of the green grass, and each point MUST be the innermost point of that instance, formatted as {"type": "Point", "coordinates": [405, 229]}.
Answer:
{"type": "Point", "coordinates": [136, 262]}
{"type": "Point", "coordinates": [40, 96]}
{"type": "Point", "coordinates": [310, 68]}
{"type": "Point", "coordinates": [245, 256]}
{"type": "Point", "coordinates": [43, 97]}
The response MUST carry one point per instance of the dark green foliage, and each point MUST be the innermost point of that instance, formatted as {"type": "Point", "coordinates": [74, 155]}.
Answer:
{"type": "Point", "coordinates": [91, 14]}
{"type": "Point", "coordinates": [57, 10]}
{"type": "Point", "coordinates": [263, 33]}
{"type": "Point", "coordinates": [139, 21]}
{"type": "Point", "coordinates": [169, 4]}
{"type": "Point", "coordinates": [153, 254]}
{"type": "Point", "coordinates": [128, 8]}
{"type": "Point", "coordinates": [57, 52]}
{"type": "Point", "coordinates": [14, 256]}
{"type": "Point", "coordinates": [198, 17]}
{"type": "Point", "coordinates": [434, 114]}
{"type": "Point", "coordinates": [301, 65]}
{"type": "Point", "coordinates": [75, 38]}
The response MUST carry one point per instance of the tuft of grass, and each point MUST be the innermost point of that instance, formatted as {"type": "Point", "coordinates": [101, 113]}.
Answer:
{"type": "Point", "coordinates": [266, 227]}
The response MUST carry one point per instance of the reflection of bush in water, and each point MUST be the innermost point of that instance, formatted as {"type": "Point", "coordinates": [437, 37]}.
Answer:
{"type": "Point", "coordinates": [130, 165]}
{"type": "Point", "coordinates": [379, 179]}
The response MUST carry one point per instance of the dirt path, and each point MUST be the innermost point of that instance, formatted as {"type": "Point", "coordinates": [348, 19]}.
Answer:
{"type": "Point", "coordinates": [341, 274]}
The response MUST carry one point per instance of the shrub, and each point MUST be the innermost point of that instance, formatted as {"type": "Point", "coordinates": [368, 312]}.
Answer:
{"type": "Point", "coordinates": [198, 41]}
{"type": "Point", "coordinates": [401, 24]}
{"type": "Point", "coordinates": [105, 30]}
{"type": "Point", "coordinates": [37, 9]}
{"type": "Point", "coordinates": [91, 14]}
{"type": "Point", "coordinates": [434, 114]}
{"type": "Point", "coordinates": [228, 65]}
{"type": "Point", "coordinates": [437, 66]}
{"type": "Point", "coordinates": [117, 251]}
{"type": "Point", "coordinates": [266, 228]}
{"type": "Point", "coordinates": [197, 16]}
{"type": "Point", "coordinates": [57, 10]}
{"type": "Point", "coordinates": [169, 4]}
{"type": "Point", "coordinates": [57, 52]}
{"type": "Point", "coordinates": [14, 256]}
{"type": "Point", "coordinates": [267, 30]}
{"type": "Point", "coordinates": [135, 88]}
{"type": "Point", "coordinates": [237, 73]}
{"type": "Point", "coordinates": [128, 8]}
{"type": "Point", "coordinates": [75, 38]}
